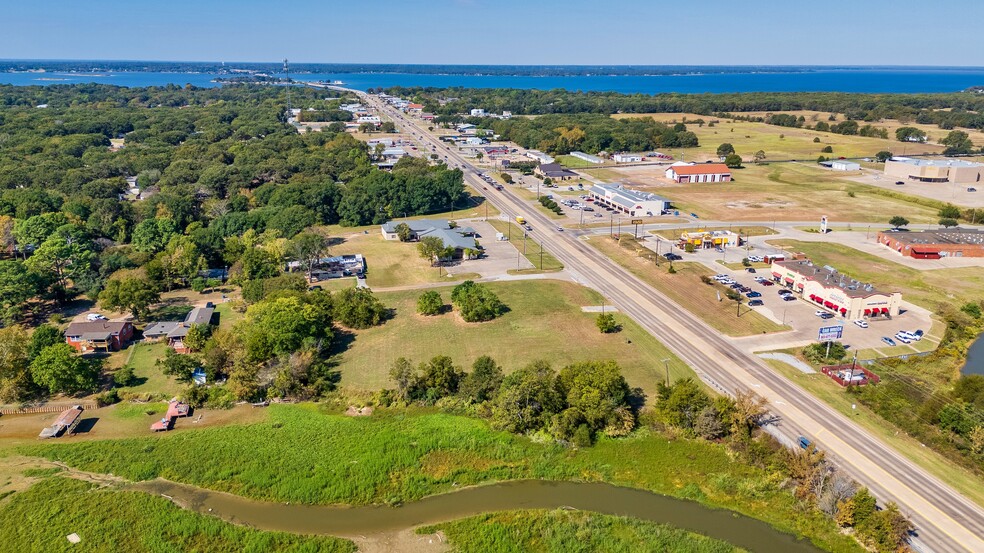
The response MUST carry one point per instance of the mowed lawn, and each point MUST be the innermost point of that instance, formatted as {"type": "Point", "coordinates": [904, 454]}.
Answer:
{"type": "Point", "coordinates": [685, 288]}
{"type": "Point", "coordinates": [782, 192]}
{"type": "Point", "coordinates": [781, 142]}
{"type": "Point", "coordinates": [391, 263]}
{"type": "Point", "coordinates": [924, 288]}
{"type": "Point", "coordinates": [545, 321]}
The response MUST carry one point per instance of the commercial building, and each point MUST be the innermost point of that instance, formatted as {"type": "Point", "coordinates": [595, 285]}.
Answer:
{"type": "Point", "coordinates": [842, 165]}
{"type": "Point", "coordinates": [934, 170]}
{"type": "Point", "coordinates": [537, 155]}
{"type": "Point", "coordinates": [631, 202]}
{"type": "Point", "coordinates": [627, 158]}
{"type": "Point", "coordinates": [587, 157]}
{"type": "Point", "coordinates": [555, 171]}
{"type": "Point", "coordinates": [462, 239]}
{"type": "Point", "coordinates": [99, 335]}
{"type": "Point", "coordinates": [705, 239]}
{"type": "Point", "coordinates": [700, 172]}
{"type": "Point", "coordinates": [934, 244]}
{"type": "Point", "coordinates": [835, 292]}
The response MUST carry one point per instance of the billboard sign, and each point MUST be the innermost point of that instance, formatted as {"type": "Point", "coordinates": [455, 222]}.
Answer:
{"type": "Point", "coordinates": [830, 333]}
{"type": "Point", "coordinates": [636, 221]}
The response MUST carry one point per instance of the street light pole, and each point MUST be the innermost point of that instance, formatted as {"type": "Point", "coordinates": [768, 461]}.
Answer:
{"type": "Point", "coordinates": [666, 364]}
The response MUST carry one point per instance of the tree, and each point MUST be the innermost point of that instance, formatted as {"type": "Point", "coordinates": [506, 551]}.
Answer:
{"type": "Point", "coordinates": [309, 247]}
{"type": "Point", "coordinates": [131, 293]}
{"type": "Point", "coordinates": [42, 337]}
{"type": "Point", "coordinates": [153, 235]}
{"type": "Point", "coordinates": [198, 336]}
{"type": "Point", "coordinates": [476, 302]}
{"type": "Point", "coordinates": [759, 156]}
{"type": "Point", "coordinates": [606, 323]}
{"type": "Point", "coordinates": [527, 399]}
{"type": "Point", "coordinates": [283, 325]}
{"type": "Point", "coordinates": [949, 211]}
{"type": "Point", "coordinates": [483, 382]}
{"type": "Point", "coordinates": [180, 261]}
{"type": "Point", "coordinates": [909, 134]}
{"type": "Point", "coordinates": [439, 378]}
{"type": "Point", "coordinates": [17, 286]}
{"type": "Point", "coordinates": [733, 161]}
{"type": "Point", "coordinates": [358, 308]}
{"type": "Point", "coordinates": [883, 156]}
{"type": "Point", "coordinates": [898, 222]}
{"type": "Point", "coordinates": [748, 410]}
{"type": "Point", "coordinates": [60, 369]}
{"type": "Point", "coordinates": [65, 255]}
{"type": "Point", "coordinates": [725, 149]}
{"type": "Point", "coordinates": [957, 142]}
{"type": "Point", "coordinates": [403, 232]}
{"type": "Point", "coordinates": [817, 353]}
{"type": "Point", "coordinates": [595, 391]}
{"type": "Point", "coordinates": [406, 378]}
{"type": "Point", "coordinates": [827, 149]}
{"type": "Point", "coordinates": [179, 366]}
{"type": "Point", "coordinates": [430, 248]}
{"type": "Point", "coordinates": [15, 379]}
{"type": "Point", "coordinates": [947, 222]}
{"type": "Point", "coordinates": [681, 403]}
{"type": "Point", "coordinates": [430, 303]}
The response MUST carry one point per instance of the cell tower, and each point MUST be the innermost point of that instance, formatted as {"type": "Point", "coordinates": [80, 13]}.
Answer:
{"type": "Point", "coordinates": [287, 72]}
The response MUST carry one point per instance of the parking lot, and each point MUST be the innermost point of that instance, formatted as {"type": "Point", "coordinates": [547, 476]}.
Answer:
{"type": "Point", "coordinates": [786, 307]}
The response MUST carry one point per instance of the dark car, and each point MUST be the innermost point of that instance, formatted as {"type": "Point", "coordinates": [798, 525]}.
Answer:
{"type": "Point", "coordinates": [767, 283]}
{"type": "Point", "coordinates": [899, 182]}
{"type": "Point", "coordinates": [750, 269]}
{"type": "Point", "coordinates": [755, 303]}
{"type": "Point", "coordinates": [672, 257]}
{"type": "Point", "coordinates": [753, 295]}
{"type": "Point", "coordinates": [784, 292]}
{"type": "Point", "coordinates": [971, 189]}
{"type": "Point", "coordinates": [789, 297]}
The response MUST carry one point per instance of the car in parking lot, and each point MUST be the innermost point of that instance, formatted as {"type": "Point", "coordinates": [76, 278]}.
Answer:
{"type": "Point", "coordinates": [750, 269]}
{"type": "Point", "coordinates": [819, 313]}
{"type": "Point", "coordinates": [672, 257]}
{"type": "Point", "coordinates": [784, 292]}
{"type": "Point", "coordinates": [918, 334]}
{"type": "Point", "coordinates": [766, 282]}
{"type": "Point", "coordinates": [755, 303]}
{"type": "Point", "coordinates": [753, 294]}
{"type": "Point", "coordinates": [826, 316]}
{"type": "Point", "coordinates": [899, 182]}
{"type": "Point", "coordinates": [789, 297]}
{"type": "Point", "coordinates": [861, 323]}
{"type": "Point", "coordinates": [902, 338]}
{"type": "Point", "coordinates": [888, 340]}
{"type": "Point", "coordinates": [971, 189]}
{"type": "Point", "coordinates": [92, 317]}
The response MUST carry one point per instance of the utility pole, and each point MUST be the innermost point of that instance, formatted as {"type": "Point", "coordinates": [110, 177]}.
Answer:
{"type": "Point", "coordinates": [666, 364]}
{"type": "Point", "coordinates": [541, 256]}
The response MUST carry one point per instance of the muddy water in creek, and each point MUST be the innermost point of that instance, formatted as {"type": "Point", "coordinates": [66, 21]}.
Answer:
{"type": "Point", "coordinates": [524, 494]}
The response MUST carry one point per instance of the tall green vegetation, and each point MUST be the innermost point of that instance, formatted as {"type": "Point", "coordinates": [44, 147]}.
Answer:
{"type": "Point", "coordinates": [476, 302]}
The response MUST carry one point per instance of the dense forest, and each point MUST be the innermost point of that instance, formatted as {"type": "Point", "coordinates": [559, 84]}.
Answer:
{"type": "Point", "coordinates": [220, 176]}
{"type": "Point", "coordinates": [964, 109]}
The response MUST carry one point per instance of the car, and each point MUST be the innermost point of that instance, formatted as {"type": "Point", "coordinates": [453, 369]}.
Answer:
{"type": "Point", "coordinates": [918, 334]}
{"type": "Point", "coordinates": [755, 303]}
{"type": "Point", "coordinates": [804, 443]}
{"type": "Point", "coordinates": [826, 316]}
{"type": "Point", "coordinates": [899, 182]}
{"type": "Point", "coordinates": [861, 323]}
{"type": "Point", "coordinates": [903, 339]}
{"type": "Point", "coordinates": [528, 228]}
{"type": "Point", "coordinates": [971, 189]}
{"type": "Point", "coordinates": [789, 297]}
{"type": "Point", "coordinates": [750, 270]}
{"type": "Point", "coordinates": [720, 276]}
{"type": "Point", "coordinates": [589, 208]}
{"type": "Point", "coordinates": [753, 294]}
{"type": "Point", "coordinates": [560, 229]}
{"type": "Point", "coordinates": [906, 335]}
{"type": "Point", "coordinates": [784, 292]}
{"type": "Point", "coordinates": [672, 257]}
{"type": "Point", "coordinates": [819, 313]}
{"type": "Point", "coordinates": [736, 285]}
{"type": "Point", "coordinates": [888, 340]}
{"type": "Point", "coordinates": [767, 282]}
{"type": "Point", "coordinates": [91, 317]}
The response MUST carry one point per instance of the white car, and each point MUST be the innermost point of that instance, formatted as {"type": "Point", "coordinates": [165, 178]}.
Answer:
{"type": "Point", "coordinates": [902, 338]}
{"type": "Point", "coordinates": [861, 323]}
{"type": "Point", "coordinates": [92, 317]}
{"type": "Point", "coordinates": [820, 313]}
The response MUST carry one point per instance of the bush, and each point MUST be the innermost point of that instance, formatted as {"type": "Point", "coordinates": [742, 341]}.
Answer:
{"type": "Point", "coordinates": [430, 303]}
{"type": "Point", "coordinates": [358, 308]}
{"type": "Point", "coordinates": [816, 139]}
{"type": "Point", "coordinates": [671, 270]}
{"type": "Point", "coordinates": [607, 324]}
{"type": "Point", "coordinates": [827, 150]}
{"type": "Point", "coordinates": [817, 353]}
{"type": "Point", "coordinates": [476, 303]}
{"type": "Point", "coordinates": [108, 398]}
{"type": "Point", "coordinates": [124, 377]}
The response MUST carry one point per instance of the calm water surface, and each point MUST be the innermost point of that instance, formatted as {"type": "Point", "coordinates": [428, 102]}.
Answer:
{"type": "Point", "coordinates": [738, 530]}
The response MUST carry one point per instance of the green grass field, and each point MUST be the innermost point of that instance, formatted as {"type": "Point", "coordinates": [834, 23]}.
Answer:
{"type": "Point", "coordinates": [404, 455]}
{"type": "Point", "coordinates": [547, 263]}
{"type": "Point", "coordinates": [566, 532]}
{"type": "Point", "coordinates": [924, 288]}
{"type": "Point", "coordinates": [686, 288]}
{"type": "Point", "coordinates": [545, 321]}
{"type": "Point", "coordinates": [149, 377]}
{"type": "Point", "coordinates": [40, 518]}
{"type": "Point", "coordinates": [392, 263]}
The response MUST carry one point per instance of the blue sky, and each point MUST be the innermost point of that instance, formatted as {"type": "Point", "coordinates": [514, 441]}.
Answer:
{"type": "Point", "coordinates": [653, 32]}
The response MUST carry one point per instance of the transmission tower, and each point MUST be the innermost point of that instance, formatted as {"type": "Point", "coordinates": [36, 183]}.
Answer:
{"type": "Point", "coordinates": [287, 72]}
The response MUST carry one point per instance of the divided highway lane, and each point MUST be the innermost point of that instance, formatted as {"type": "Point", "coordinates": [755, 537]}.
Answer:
{"type": "Point", "coordinates": [945, 520]}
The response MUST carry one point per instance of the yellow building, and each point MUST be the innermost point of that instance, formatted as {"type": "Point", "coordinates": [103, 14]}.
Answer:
{"type": "Point", "coordinates": [703, 239]}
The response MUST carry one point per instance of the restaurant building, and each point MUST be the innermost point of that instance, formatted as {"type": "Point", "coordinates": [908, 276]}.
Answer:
{"type": "Point", "coordinates": [835, 292]}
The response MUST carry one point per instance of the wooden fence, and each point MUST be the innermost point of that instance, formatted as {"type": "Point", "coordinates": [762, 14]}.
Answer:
{"type": "Point", "coordinates": [46, 408]}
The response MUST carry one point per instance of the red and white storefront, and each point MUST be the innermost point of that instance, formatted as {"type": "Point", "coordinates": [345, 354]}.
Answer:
{"type": "Point", "coordinates": [834, 293]}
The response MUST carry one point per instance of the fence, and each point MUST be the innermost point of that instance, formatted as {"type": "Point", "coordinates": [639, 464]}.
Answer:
{"type": "Point", "coordinates": [834, 372]}
{"type": "Point", "coordinates": [47, 408]}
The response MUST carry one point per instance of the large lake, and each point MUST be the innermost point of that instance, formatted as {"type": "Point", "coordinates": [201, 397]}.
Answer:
{"type": "Point", "coordinates": [833, 80]}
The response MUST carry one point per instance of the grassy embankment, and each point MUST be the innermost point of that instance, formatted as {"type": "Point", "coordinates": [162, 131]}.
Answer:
{"type": "Point", "coordinates": [532, 248]}
{"type": "Point", "coordinates": [40, 517]}
{"type": "Point", "coordinates": [566, 532]}
{"type": "Point", "coordinates": [544, 321]}
{"type": "Point", "coordinates": [400, 455]}
{"type": "Point", "coordinates": [685, 288]}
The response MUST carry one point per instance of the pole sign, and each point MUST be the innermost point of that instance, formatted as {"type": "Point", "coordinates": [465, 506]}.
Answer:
{"type": "Point", "coordinates": [823, 225]}
{"type": "Point", "coordinates": [636, 221]}
{"type": "Point", "coordinates": [830, 333]}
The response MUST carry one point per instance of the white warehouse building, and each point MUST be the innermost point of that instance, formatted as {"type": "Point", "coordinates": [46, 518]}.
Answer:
{"type": "Point", "coordinates": [630, 202]}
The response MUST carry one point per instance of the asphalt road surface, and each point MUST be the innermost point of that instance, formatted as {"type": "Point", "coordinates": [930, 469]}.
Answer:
{"type": "Point", "coordinates": [945, 521]}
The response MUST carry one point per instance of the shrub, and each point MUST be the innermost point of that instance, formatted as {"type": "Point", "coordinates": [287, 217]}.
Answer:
{"type": "Point", "coordinates": [827, 150]}
{"type": "Point", "coordinates": [476, 303]}
{"type": "Point", "coordinates": [816, 139]}
{"type": "Point", "coordinates": [358, 308]}
{"type": "Point", "coordinates": [430, 303]}
{"type": "Point", "coordinates": [817, 353]}
{"type": "Point", "coordinates": [607, 324]}
{"type": "Point", "coordinates": [124, 377]}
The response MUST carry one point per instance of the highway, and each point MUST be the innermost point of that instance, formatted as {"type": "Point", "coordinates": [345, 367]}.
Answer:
{"type": "Point", "coordinates": [945, 520]}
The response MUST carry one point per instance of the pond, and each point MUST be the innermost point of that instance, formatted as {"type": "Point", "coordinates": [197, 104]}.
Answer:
{"type": "Point", "coordinates": [975, 357]}
{"type": "Point", "coordinates": [736, 529]}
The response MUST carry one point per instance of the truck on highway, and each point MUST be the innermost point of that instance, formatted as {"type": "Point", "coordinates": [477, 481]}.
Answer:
{"type": "Point", "coordinates": [520, 220]}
